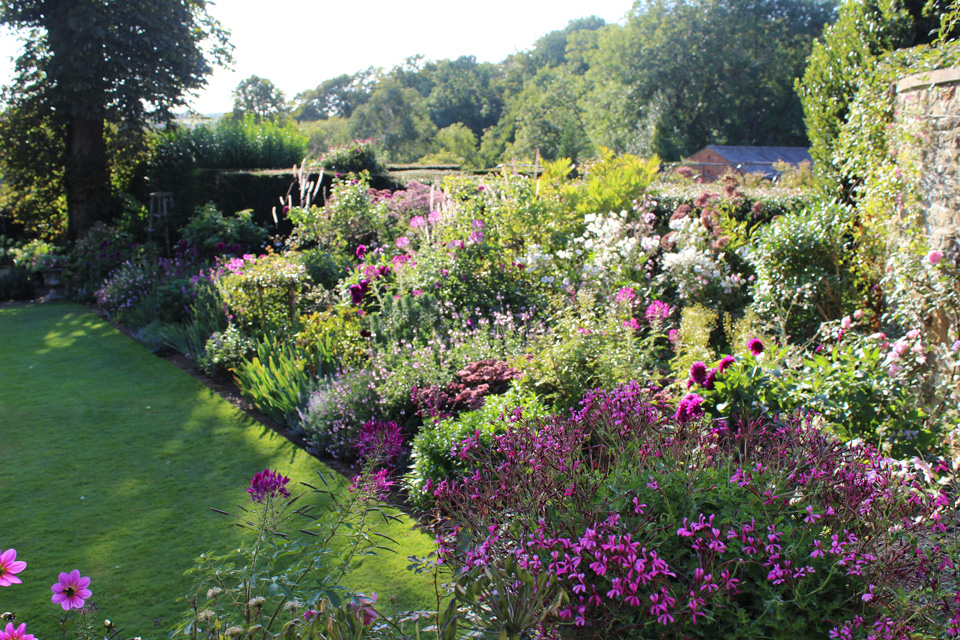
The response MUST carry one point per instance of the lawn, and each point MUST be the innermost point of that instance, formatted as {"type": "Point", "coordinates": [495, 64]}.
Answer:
{"type": "Point", "coordinates": [110, 459]}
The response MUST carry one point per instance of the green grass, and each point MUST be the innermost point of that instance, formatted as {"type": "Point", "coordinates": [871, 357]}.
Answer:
{"type": "Point", "coordinates": [110, 459]}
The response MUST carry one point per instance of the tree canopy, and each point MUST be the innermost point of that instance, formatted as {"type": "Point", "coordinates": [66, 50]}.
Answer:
{"type": "Point", "coordinates": [260, 98]}
{"type": "Point", "coordinates": [87, 63]}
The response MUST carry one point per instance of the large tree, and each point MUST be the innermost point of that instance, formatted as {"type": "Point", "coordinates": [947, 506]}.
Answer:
{"type": "Point", "coordinates": [87, 63]}
{"type": "Point", "coordinates": [699, 72]}
{"type": "Point", "coordinates": [260, 98]}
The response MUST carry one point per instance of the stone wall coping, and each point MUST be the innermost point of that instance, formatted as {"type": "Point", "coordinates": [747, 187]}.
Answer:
{"type": "Point", "coordinates": [928, 78]}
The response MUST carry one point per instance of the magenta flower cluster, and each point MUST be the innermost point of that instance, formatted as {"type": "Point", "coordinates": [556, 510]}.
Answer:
{"type": "Point", "coordinates": [267, 485]}
{"type": "Point", "coordinates": [765, 510]}
{"type": "Point", "coordinates": [657, 311]}
{"type": "Point", "coordinates": [379, 441]}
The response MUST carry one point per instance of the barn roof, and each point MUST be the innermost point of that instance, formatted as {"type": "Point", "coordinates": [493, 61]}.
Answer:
{"type": "Point", "coordinates": [761, 159]}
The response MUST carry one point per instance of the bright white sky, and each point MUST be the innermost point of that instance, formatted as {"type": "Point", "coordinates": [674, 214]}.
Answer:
{"type": "Point", "coordinates": [299, 43]}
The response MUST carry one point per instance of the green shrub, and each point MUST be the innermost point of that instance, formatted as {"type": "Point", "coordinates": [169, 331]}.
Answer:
{"type": "Point", "coordinates": [262, 292]}
{"type": "Point", "coordinates": [325, 268]}
{"type": "Point", "coordinates": [225, 350]}
{"type": "Point", "coordinates": [356, 157]}
{"type": "Point", "coordinates": [215, 234]}
{"type": "Point", "coordinates": [348, 219]}
{"type": "Point", "coordinates": [230, 144]}
{"type": "Point", "coordinates": [612, 183]}
{"type": "Point", "coordinates": [588, 350]}
{"type": "Point", "coordinates": [94, 256]}
{"type": "Point", "coordinates": [434, 449]}
{"type": "Point", "coordinates": [802, 265]}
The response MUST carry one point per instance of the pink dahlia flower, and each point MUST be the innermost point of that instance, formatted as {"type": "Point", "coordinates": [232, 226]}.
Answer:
{"type": "Point", "coordinates": [71, 590]}
{"type": "Point", "coordinates": [9, 565]}
{"type": "Point", "coordinates": [755, 346]}
{"type": "Point", "coordinates": [16, 633]}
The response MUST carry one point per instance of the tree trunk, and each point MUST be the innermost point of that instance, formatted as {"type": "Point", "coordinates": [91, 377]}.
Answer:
{"type": "Point", "coordinates": [86, 174]}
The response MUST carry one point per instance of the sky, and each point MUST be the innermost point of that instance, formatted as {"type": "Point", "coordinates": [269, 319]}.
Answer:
{"type": "Point", "coordinates": [297, 44]}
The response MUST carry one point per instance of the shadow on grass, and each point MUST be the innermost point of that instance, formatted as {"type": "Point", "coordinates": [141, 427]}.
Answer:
{"type": "Point", "coordinates": [110, 459]}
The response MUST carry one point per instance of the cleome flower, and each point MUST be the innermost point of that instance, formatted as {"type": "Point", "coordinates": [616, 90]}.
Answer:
{"type": "Point", "coordinates": [268, 484]}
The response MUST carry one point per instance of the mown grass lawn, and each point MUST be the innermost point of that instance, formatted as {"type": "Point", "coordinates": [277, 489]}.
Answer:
{"type": "Point", "coordinates": [110, 459]}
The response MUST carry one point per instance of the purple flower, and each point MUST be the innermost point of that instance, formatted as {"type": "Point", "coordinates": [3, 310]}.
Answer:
{"type": "Point", "coordinates": [477, 224]}
{"type": "Point", "coordinates": [380, 441]}
{"type": "Point", "coordinates": [434, 217]}
{"type": "Point", "coordinates": [357, 291]}
{"type": "Point", "coordinates": [268, 484]}
{"type": "Point", "coordinates": [476, 237]}
{"type": "Point", "coordinates": [363, 609]}
{"type": "Point", "coordinates": [657, 311]}
{"type": "Point", "coordinates": [361, 251]}
{"type": "Point", "coordinates": [417, 221]}
{"type": "Point", "coordinates": [725, 363]}
{"type": "Point", "coordinates": [689, 408]}
{"type": "Point", "coordinates": [631, 324]}
{"type": "Point", "coordinates": [755, 347]}
{"type": "Point", "coordinates": [626, 294]}
{"type": "Point", "coordinates": [708, 383]}
{"type": "Point", "coordinates": [698, 372]}
{"type": "Point", "coordinates": [403, 242]}
{"type": "Point", "coordinates": [376, 484]}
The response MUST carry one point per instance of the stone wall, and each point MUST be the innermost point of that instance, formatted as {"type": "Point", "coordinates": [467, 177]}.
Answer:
{"type": "Point", "coordinates": [928, 105]}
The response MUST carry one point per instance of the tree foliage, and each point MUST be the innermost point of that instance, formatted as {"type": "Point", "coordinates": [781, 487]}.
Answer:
{"type": "Point", "coordinates": [87, 63]}
{"type": "Point", "coordinates": [701, 72]}
{"type": "Point", "coordinates": [260, 98]}
{"type": "Point", "coordinates": [847, 53]}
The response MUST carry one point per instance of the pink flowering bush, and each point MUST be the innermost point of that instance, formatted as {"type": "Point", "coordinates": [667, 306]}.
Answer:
{"type": "Point", "coordinates": [641, 524]}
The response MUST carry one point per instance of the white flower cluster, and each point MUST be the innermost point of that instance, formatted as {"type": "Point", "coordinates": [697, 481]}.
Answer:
{"type": "Point", "coordinates": [692, 266]}
{"type": "Point", "coordinates": [611, 244]}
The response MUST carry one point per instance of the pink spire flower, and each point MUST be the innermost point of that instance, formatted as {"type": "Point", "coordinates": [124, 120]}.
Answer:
{"type": "Point", "coordinates": [18, 633]}
{"type": "Point", "coordinates": [9, 565]}
{"type": "Point", "coordinates": [71, 590]}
